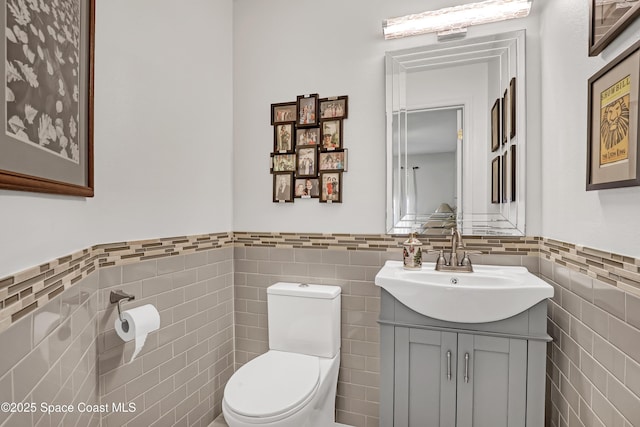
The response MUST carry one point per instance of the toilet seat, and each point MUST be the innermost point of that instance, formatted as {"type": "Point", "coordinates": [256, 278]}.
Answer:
{"type": "Point", "coordinates": [274, 384]}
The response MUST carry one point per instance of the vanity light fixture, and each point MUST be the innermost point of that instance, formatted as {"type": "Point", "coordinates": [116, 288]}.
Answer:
{"type": "Point", "coordinates": [451, 20]}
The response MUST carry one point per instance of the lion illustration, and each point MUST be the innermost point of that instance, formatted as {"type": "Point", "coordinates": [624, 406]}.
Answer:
{"type": "Point", "coordinates": [615, 123]}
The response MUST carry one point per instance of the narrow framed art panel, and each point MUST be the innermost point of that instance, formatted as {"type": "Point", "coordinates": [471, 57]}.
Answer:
{"type": "Point", "coordinates": [47, 138]}
{"type": "Point", "coordinates": [283, 187]}
{"type": "Point", "coordinates": [331, 187]}
{"type": "Point", "coordinates": [495, 125]}
{"type": "Point", "coordinates": [612, 123]}
{"type": "Point", "coordinates": [513, 168]}
{"type": "Point", "coordinates": [495, 180]}
{"type": "Point", "coordinates": [512, 108]}
{"type": "Point", "coordinates": [503, 124]}
{"type": "Point", "coordinates": [505, 177]}
{"type": "Point", "coordinates": [607, 19]}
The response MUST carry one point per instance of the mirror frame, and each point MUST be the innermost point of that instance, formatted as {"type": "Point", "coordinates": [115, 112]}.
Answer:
{"type": "Point", "coordinates": [509, 219]}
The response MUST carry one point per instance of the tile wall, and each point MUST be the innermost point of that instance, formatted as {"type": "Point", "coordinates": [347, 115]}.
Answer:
{"type": "Point", "coordinates": [593, 363]}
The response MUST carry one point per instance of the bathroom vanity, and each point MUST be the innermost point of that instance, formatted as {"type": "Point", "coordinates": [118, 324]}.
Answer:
{"type": "Point", "coordinates": [445, 373]}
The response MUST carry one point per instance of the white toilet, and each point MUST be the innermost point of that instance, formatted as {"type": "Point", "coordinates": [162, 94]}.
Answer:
{"type": "Point", "coordinates": [294, 383]}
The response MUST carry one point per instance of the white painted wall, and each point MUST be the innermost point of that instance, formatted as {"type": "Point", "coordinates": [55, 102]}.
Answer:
{"type": "Point", "coordinates": [163, 136]}
{"type": "Point", "coordinates": [604, 219]}
{"type": "Point", "coordinates": [285, 48]}
{"type": "Point", "coordinates": [436, 180]}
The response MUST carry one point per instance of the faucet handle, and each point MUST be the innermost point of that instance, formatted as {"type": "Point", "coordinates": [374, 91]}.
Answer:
{"type": "Point", "coordinates": [441, 260]}
{"type": "Point", "coordinates": [465, 258]}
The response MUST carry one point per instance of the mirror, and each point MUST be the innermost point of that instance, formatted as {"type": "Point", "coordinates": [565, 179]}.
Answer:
{"type": "Point", "coordinates": [456, 133]}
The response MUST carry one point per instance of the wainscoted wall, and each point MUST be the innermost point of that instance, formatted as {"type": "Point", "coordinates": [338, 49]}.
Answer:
{"type": "Point", "coordinates": [593, 363]}
{"type": "Point", "coordinates": [350, 261]}
{"type": "Point", "coordinates": [50, 356]}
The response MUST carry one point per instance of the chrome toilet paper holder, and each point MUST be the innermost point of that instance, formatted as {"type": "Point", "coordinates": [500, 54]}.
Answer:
{"type": "Point", "coordinates": [117, 297]}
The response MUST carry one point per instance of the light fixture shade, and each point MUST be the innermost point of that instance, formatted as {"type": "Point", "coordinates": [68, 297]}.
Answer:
{"type": "Point", "coordinates": [450, 19]}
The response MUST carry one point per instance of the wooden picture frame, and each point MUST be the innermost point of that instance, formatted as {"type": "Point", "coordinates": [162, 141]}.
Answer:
{"type": "Point", "coordinates": [335, 107]}
{"type": "Point", "coordinates": [504, 121]}
{"type": "Point", "coordinates": [331, 134]}
{"type": "Point", "coordinates": [613, 157]}
{"type": "Point", "coordinates": [283, 141]}
{"type": "Point", "coordinates": [514, 169]}
{"type": "Point", "coordinates": [283, 187]}
{"type": "Point", "coordinates": [607, 21]}
{"type": "Point", "coordinates": [505, 177]}
{"type": "Point", "coordinates": [307, 161]}
{"type": "Point", "coordinates": [307, 110]}
{"type": "Point", "coordinates": [283, 162]}
{"type": "Point", "coordinates": [283, 112]}
{"type": "Point", "coordinates": [308, 136]}
{"type": "Point", "coordinates": [47, 143]}
{"type": "Point", "coordinates": [512, 108]}
{"type": "Point", "coordinates": [307, 188]}
{"type": "Point", "coordinates": [330, 187]}
{"type": "Point", "coordinates": [495, 180]}
{"type": "Point", "coordinates": [336, 160]}
{"type": "Point", "coordinates": [495, 126]}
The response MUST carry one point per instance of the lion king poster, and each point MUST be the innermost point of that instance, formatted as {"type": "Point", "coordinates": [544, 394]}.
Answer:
{"type": "Point", "coordinates": [614, 122]}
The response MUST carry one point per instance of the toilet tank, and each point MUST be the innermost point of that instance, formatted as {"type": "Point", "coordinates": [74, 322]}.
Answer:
{"type": "Point", "coordinates": [304, 318]}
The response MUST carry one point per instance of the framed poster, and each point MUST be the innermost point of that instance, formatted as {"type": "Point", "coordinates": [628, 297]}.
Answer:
{"type": "Point", "coordinates": [612, 123]}
{"type": "Point", "coordinates": [607, 19]}
{"type": "Point", "coordinates": [47, 137]}
{"type": "Point", "coordinates": [512, 159]}
{"type": "Point", "coordinates": [512, 108]}
{"type": "Point", "coordinates": [495, 180]}
{"type": "Point", "coordinates": [505, 106]}
{"type": "Point", "coordinates": [495, 125]}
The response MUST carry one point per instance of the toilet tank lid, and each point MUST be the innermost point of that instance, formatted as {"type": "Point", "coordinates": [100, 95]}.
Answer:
{"type": "Point", "coordinates": [304, 290]}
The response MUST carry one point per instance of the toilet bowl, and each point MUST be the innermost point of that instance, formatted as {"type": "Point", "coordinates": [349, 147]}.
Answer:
{"type": "Point", "coordinates": [294, 383]}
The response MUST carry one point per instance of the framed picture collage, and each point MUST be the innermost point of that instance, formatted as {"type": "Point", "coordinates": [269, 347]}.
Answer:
{"type": "Point", "coordinates": [503, 132]}
{"type": "Point", "coordinates": [309, 155]}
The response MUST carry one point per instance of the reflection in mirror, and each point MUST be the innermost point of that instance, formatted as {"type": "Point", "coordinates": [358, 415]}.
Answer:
{"type": "Point", "coordinates": [439, 137]}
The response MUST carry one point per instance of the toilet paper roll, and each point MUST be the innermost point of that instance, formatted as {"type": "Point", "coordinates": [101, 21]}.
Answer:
{"type": "Point", "coordinates": [136, 325]}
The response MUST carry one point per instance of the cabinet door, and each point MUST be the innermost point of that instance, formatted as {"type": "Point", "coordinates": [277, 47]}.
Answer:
{"type": "Point", "coordinates": [492, 381]}
{"type": "Point", "coordinates": [425, 378]}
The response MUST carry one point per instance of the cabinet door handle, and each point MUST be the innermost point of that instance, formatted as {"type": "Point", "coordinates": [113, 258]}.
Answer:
{"type": "Point", "coordinates": [466, 367]}
{"type": "Point", "coordinates": [449, 365]}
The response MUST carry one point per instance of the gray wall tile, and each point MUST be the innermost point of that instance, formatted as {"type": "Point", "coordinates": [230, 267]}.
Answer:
{"type": "Point", "coordinates": [609, 298]}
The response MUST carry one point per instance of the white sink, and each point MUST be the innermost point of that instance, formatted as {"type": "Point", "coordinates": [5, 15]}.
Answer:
{"type": "Point", "coordinates": [488, 294]}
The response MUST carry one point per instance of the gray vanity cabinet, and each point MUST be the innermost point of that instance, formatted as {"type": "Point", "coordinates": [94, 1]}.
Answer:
{"type": "Point", "coordinates": [442, 374]}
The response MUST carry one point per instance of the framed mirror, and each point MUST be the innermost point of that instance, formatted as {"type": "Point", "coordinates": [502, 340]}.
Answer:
{"type": "Point", "coordinates": [454, 111]}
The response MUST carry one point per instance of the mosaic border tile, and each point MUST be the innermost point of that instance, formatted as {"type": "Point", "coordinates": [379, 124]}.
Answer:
{"type": "Point", "coordinates": [27, 290]}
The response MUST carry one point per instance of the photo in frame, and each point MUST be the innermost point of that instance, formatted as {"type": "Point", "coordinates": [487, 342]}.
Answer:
{"type": "Point", "coordinates": [47, 138]}
{"type": "Point", "coordinates": [495, 125]}
{"type": "Point", "coordinates": [307, 165]}
{"type": "Point", "coordinates": [284, 112]}
{"type": "Point", "coordinates": [504, 125]}
{"type": "Point", "coordinates": [308, 136]}
{"type": "Point", "coordinates": [307, 110]}
{"type": "Point", "coordinates": [283, 138]}
{"type": "Point", "coordinates": [333, 161]}
{"type": "Point", "coordinates": [607, 19]}
{"type": "Point", "coordinates": [512, 160]}
{"type": "Point", "coordinates": [495, 180]}
{"type": "Point", "coordinates": [612, 123]}
{"type": "Point", "coordinates": [334, 107]}
{"type": "Point", "coordinates": [283, 187]}
{"type": "Point", "coordinates": [512, 108]}
{"type": "Point", "coordinates": [283, 162]}
{"type": "Point", "coordinates": [331, 134]}
{"type": "Point", "coordinates": [307, 188]}
{"type": "Point", "coordinates": [331, 187]}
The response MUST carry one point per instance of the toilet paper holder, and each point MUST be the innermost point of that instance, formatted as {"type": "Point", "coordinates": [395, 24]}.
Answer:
{"type": "Point", "coordinates": [117, 297]}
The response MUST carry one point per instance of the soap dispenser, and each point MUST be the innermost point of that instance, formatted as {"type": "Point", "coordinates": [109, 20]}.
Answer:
{"type": "Point", "coordinates": [412, 253]}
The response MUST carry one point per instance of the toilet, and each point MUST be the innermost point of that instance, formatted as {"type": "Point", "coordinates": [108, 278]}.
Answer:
{"type": "Point", "coordinates": [294, 383]}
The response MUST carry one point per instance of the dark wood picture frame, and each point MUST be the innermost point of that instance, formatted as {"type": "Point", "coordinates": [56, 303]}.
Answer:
{"type": "Point", "coordinates": [284, 142]}
{"type": "Point", "coordinates": [613, 29]}
{"type": "Point", "coordinates": [283, 162]}
{"type": "Point", "coordinates": [27, 165]}
{"type": "Point", "coordinates": [503, 125]}
{"type": "Point", "coordinates": [329, 191]}
{"type": "Point", "coordinates": [514, 169]}
{"type": "Point", "coordinates": [512, 108]}
{"type": "Point", "coordinates": [329, 128]}
{"type": "Point", "coordinates": [505, 177]}
{"type": "Point", "coordinates": [336, 160]}
{"type": "Point", "coordinates": [283, 194]}
{"type": "Point", "coordinates": [310, 188]}
{"type": "Point", "coordinates": [283, 112]}
{"type": "Point", "coordinates": [495, 180]}
{"type": "Point", "coordinates": [495, 125]}
{"type": "Point", "coordinates": [335, 107]}
{"type": "Point", "coordinates": [307, 112]}
{"type": "Point", "coordinates": [306, 161]}
{"type": "Point", "coordinates": [613, 154]}
{"type": "Point", "coordinates": [308, 136]}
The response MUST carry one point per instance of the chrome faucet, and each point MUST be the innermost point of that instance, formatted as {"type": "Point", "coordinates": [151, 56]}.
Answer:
{"type": "Point", "coordinates": [457, 247]}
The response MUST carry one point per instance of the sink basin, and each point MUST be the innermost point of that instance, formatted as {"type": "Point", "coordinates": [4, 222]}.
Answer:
{"type": "Point", "coordinates": [488, 294]}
